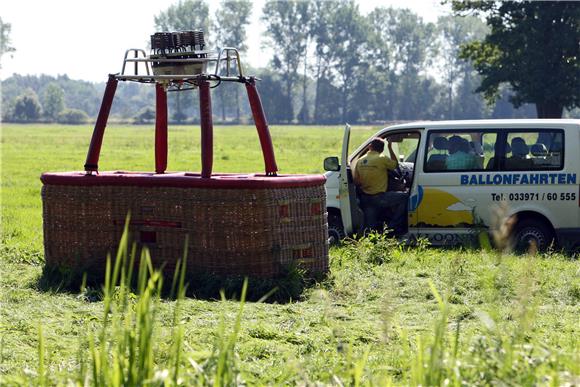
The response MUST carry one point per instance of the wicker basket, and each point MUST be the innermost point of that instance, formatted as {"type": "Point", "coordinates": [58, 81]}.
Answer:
{"type": "Point", "coordinates": [236, 224]}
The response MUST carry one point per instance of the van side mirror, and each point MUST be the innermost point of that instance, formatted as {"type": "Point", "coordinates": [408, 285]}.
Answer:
{"type": "Point", "coordinates": [331, 164]}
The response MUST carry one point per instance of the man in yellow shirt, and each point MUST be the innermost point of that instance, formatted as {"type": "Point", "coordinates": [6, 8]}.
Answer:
{"type": "Point", "coordinates": [371, 175]}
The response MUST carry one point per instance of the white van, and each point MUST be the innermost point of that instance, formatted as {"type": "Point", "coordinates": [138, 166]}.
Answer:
{"type": "Point", "coordinates": [530, 168]}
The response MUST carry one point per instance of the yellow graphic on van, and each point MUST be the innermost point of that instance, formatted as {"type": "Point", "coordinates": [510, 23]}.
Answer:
{"type": "Point", "coordinates": [441, 209]}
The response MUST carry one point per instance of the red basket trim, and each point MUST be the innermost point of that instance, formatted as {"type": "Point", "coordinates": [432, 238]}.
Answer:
{"type": "Point", "coordinates": [182, 179]}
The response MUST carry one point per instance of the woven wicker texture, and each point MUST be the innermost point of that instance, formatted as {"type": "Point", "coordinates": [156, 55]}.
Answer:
{"type": "Point", "coordinates": [254, 232]}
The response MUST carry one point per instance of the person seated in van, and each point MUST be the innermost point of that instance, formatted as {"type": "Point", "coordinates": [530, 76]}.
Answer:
{"type": "Point", "coordinates": [371, 176]}
{"type": "Point", "coordinates": [519, 159]}
{"type": "Point", "coordinates": [491, 163]}
{"type": "Point", "coordinates": [476, 148]}
{"type": "Point", "coordinates": [476, 144]}
{"type": "Point", "coordinates": [460, 157]}
{"type": "Point", "coordinates": [539, 153]}
{"type": "Point", "coordinates": [437, 153]}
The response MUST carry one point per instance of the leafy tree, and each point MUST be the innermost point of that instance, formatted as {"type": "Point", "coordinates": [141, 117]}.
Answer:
{"type": "Point", "coordinates": [131, 99]}
{"type": "Point", "coordinates": [471, 104]}
{"type": "Point", "coordinates": [275, 101]}
{"type": "Point", "coordinates": [504, 109]}
{"type": "Point", "coordinates": [347, 32]}
{"type": "Point", "coordinates": [340, 36]}
{"type": "Point", "coordinates": [26, 107]}
{"type": "Point", "coordinates": [430, 99]}
{"type": "Point", "coordinates": [318, 33]}
{"type": "Point", "coordinates": [53, 101]}
{"type": "Point", "coordinates": [453, 32]}
{"type": "Point", "coordinates": [83, 95]}
{"type": "Point", "coordinates": [183, 16]}
{"type": "Point", "coordinates": [533, 47]}
{"type": "Point", "coordinates": [145, 116]}
{"type": "Point", "coordinates": [413, 41]}
{"type": "Point", "coordinates": [5, 43]}
{"type": "Point", "coordinates": [328, 110]}
{"type": "Point", "coordinates": [178, 115]}
{"type": "Point", "coordinates": [400, 47]}
{"type": "Point", "coordinates": [287, 35]}
{"type": "Point", "coordinates": [231, 20]}
{"type": "Point", "coordinates": [73, 117]}
{"type": "Point", "coordinates": [382, 81]}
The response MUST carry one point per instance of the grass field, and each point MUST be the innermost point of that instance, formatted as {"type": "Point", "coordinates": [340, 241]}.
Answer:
{"type": "Point", "coordinates": [385, 314]}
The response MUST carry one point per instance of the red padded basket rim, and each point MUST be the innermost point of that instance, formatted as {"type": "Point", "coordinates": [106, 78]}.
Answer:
{"type": "Point", "coordinates": [181, 180]}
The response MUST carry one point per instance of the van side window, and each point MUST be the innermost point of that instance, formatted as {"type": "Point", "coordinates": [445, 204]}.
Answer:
{"type": "Point", "coordinates": [534, 150]}
{"type": "Point", "coordinates": [460, 151]}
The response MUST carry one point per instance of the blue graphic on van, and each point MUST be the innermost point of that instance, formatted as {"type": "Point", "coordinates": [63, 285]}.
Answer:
{"type": "Point", "coordinates": [519, 178]}
{"type": "Point", "coordinates": [416, 199]}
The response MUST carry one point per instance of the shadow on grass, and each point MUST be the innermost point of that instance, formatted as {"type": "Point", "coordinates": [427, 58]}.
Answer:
{"type": "Point", "coordinates": [289, 286]}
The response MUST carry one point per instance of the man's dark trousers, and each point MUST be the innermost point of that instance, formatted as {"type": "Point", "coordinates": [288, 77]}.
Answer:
{"type": "Point", "coordinates": [374, 207]}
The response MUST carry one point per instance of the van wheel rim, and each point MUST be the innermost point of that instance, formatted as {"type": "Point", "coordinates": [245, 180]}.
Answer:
{"type": "Point", "coordinates": [333, 236]}
{"type": "Point", "coordinates": [529, 236]}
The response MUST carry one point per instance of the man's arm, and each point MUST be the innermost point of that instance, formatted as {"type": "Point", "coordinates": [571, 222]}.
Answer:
{"type": "Point", "coordinates": [395, 162]}
{"type": "Point", "coordinates": [355, 175]}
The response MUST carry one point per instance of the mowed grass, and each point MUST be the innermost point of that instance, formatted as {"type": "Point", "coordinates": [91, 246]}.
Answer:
{"type": "Point", "coordinates": [385, 314]}
{"type": "Point", "coordinates": [28, 151]}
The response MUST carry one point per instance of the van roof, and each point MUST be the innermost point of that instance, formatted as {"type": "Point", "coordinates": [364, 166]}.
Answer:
{"type": "Point", "coordinates": [523, 123]}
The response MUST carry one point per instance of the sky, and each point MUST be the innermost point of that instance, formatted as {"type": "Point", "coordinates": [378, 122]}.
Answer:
{"type": "Point", "coordinates": [87, 39]}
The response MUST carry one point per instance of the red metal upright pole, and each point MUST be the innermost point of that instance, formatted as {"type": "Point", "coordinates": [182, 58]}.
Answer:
{"type": "Point", "coordinates": [92, 162]}
{"type": "Point", "coordinates": [262, 127]}
{"type": "Point", "coordinates": [206, 129]}
{"type": "Point", "coordinates": [160, 129]}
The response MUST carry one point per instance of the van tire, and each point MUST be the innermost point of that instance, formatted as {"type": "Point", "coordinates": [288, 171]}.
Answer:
{"type": "Point", "coordinates": [335, 229]}
{"type": "Point", "coordinates": [530, 232]}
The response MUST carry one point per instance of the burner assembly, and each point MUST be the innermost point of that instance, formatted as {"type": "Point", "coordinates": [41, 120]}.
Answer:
{"type": "Point", "coordinates": [181, 58]}
{"type": "Point", "coordinates": [179, 53]}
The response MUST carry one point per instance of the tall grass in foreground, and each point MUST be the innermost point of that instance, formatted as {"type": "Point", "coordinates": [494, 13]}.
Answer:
{"type": "Point", "coordinates": [125, 350]}
{"type": "Point", "coordinates": [497, 356]}
{"type": "Point", "coordinates": [499, 353]}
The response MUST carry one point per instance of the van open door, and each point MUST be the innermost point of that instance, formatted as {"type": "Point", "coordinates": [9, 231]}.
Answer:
{"type": "Point", "coordinates": [346, 186]}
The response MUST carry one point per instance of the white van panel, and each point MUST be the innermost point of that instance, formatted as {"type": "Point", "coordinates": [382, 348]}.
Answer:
{"type": "Point", "coordinates": [461, 202]}
{"type": "Point", "coordinates": [454, 207]}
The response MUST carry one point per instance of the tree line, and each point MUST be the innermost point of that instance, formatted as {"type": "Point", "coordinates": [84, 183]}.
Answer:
{"type": "Point", "coordinates": [332, 64]}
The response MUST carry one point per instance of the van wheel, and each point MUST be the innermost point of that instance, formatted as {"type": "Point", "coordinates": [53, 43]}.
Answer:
{"type": "Point", "coordinates": [335, 230]}
{"type": "Point", "coordinates": [532, 234]}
